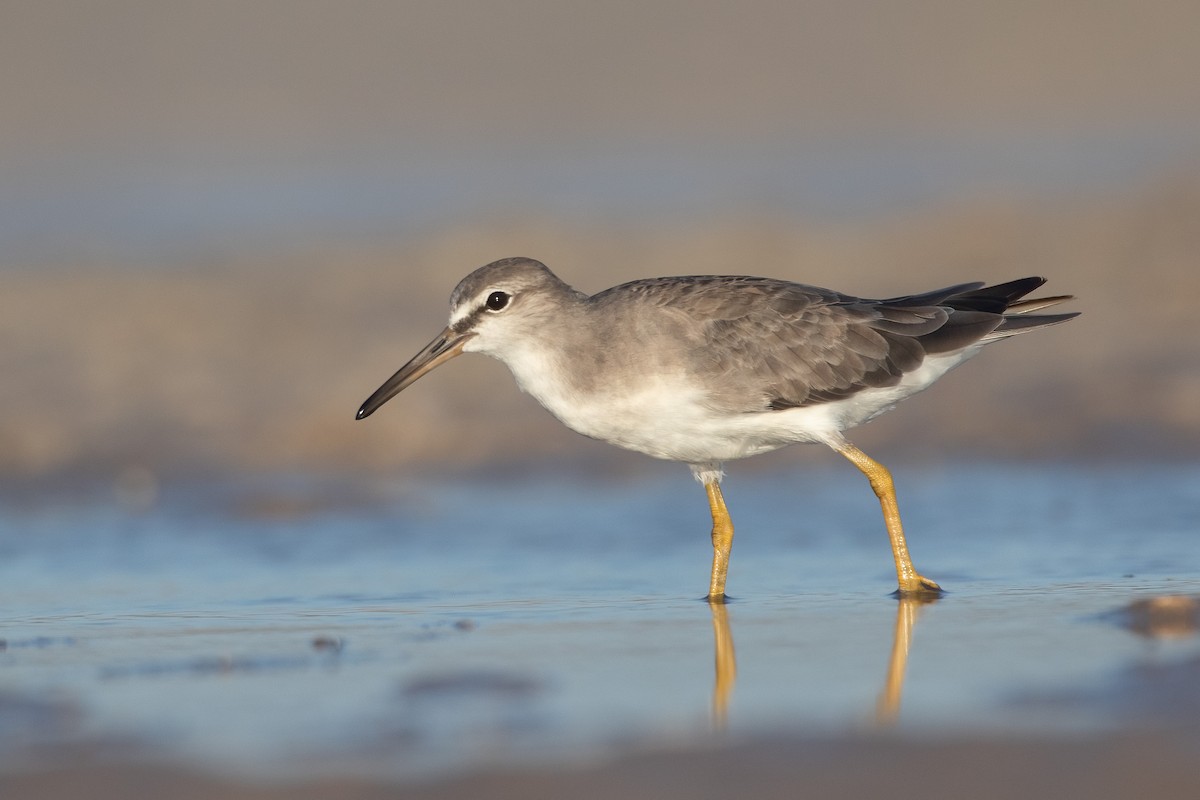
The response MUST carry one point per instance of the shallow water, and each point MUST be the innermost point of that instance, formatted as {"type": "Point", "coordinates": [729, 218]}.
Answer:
{"type": "Point", "coordinates": [412, 628]}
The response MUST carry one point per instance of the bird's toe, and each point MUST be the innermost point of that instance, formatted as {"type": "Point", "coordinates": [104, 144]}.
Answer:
{"type": "Point", "coordinates": [920, 587]}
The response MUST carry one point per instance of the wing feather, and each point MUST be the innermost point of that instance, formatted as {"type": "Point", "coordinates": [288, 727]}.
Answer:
{"type": "Point", "coordinates": [772, 345]}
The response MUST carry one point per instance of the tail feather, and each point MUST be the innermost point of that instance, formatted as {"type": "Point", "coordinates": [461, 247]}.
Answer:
{"type": "Point", "coordinates": [1037, 304]}
{"type": "Point", "coordinates": [987, 313]}
{"type": "Point", "coordinates": [1005, 299]}
{"type": "Point", "coordinates": [1022, 324]}
{"type": "Point", "coordinates": [994, 299]}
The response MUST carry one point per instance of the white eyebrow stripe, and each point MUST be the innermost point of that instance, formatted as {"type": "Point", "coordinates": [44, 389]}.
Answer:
{"type": "Point", "coordinates": [459, 314]}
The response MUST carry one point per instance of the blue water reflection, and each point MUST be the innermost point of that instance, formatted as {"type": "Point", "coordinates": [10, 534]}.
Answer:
{"type": "Point", "coordinates": [432, 625]}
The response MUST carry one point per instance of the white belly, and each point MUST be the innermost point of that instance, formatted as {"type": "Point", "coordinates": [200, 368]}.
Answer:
{"type": "Point", "coordinates": [666, 416]}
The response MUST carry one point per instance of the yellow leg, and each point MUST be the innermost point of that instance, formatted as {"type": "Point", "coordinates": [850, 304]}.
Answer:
{"type": "Point", "coordinates": [911, 582]}
{"type": "Point", "coordinates": [722, 538]}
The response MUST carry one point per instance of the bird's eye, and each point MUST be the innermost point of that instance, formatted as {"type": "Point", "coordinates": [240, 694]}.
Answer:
{"type": "Point", "coordinates": [497, 301]}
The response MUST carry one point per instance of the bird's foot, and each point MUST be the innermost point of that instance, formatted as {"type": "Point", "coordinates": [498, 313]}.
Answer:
{"type": "Point", "coordinates": [920, 588]}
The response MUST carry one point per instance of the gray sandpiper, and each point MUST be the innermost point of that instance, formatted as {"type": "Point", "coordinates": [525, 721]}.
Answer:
{"type": "Point", "coordinates": [708, 369]}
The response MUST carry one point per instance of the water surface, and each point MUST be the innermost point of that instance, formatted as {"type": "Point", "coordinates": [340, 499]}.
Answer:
{"type": "Point", "coordinates": [412, 628]}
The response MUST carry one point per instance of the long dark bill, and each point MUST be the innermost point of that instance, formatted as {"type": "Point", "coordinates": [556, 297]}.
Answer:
{"type": "Point", "coordinates": [446, 346]}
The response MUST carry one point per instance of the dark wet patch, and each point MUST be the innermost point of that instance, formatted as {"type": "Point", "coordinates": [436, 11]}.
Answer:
{"type": "Point", "coordinates": [201, 667]}
{"type": "Point", "coordinates": [36, 643]}
{"type": "Point", "coordinates": [26, 717]}
{"type": "Point", "coordinates": [1159, 695]}
{"type": "Point", "coordinates": [328, 644]}
{"type": "Point", "coordinates": [436, 630]}
{"type": "Point", "coordinates": [476, 683]}
{"type": "Point", "coordinates": [1171, 616]}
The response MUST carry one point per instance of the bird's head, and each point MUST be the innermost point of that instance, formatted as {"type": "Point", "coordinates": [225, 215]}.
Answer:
{"type": "Point", "coordinates": [491, 310]}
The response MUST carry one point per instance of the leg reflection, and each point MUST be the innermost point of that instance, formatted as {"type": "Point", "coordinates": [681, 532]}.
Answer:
{"type": "Point", "coordinates": [908, 610]}
{"type": "Point", "coordinates": [725, 662]}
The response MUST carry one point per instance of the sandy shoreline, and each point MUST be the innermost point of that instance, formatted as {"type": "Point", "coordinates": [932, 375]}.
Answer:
{"type": "Point", "coordinates": [260, 364]}
{"type": "Point", "coordinates": [1148, 766]}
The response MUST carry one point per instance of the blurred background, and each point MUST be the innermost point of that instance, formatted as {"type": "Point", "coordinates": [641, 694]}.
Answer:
{"type": "Point", "coordinates": [223, 224]}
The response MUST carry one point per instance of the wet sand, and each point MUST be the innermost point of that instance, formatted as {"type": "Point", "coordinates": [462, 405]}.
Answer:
{"type": "Point", "coordinates": [1145, 766]}
{"type": "Point", "coordinates": [200, 647]}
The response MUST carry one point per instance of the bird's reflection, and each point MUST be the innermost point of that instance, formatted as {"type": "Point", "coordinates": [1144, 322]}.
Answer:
{"type": "Point", "coordinates": [887, 708]}
{"type": "Point", "coordinates": [908, 610]}
{"type": "Point", "coordinates": [725, 662]}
